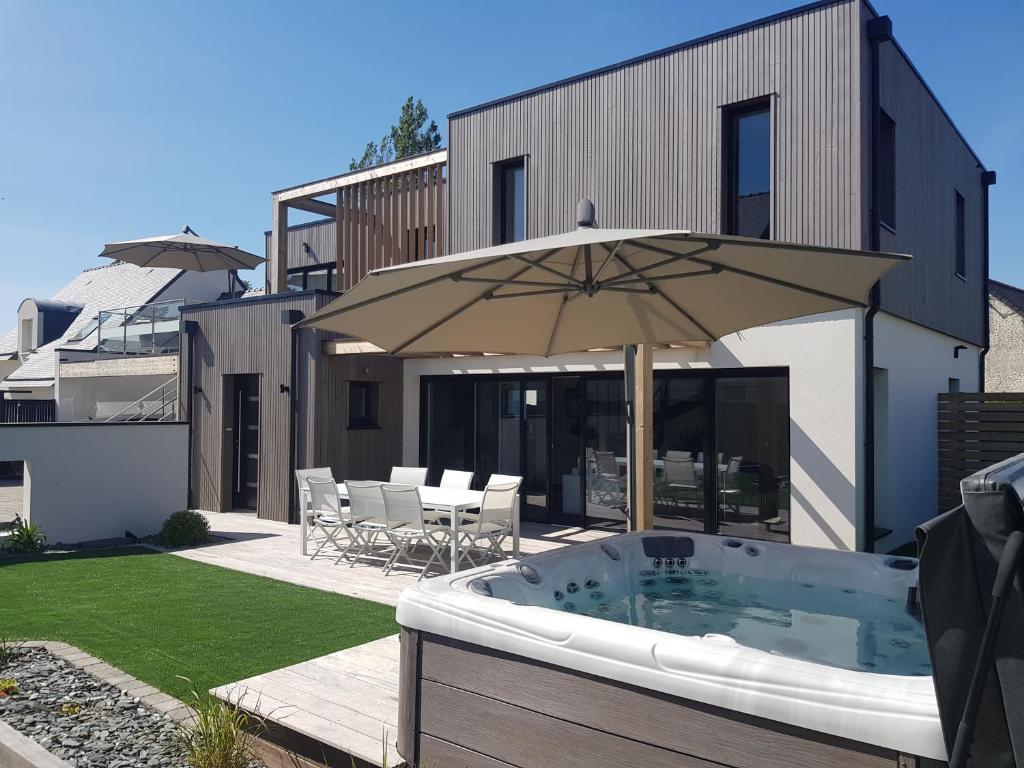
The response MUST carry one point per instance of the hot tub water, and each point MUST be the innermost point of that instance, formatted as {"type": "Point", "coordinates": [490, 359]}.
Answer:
{"type": "Point", "coordinates": [841, 627]}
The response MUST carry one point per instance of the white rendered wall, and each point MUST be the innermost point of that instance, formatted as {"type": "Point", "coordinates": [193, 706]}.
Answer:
{"type": "Point", "coordinates": [919, 364]}
{"type": "Point", "coordinates": [822, 354]}
{"type": "Point", "coordinates": [85, 482]}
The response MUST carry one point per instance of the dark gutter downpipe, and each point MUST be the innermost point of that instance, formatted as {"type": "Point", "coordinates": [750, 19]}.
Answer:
{"type": "Point", "coordinates": [186, 395]}
{"type": "Point", "coordinates": [988, 179]}
{"type": "Point", "coordinates": [291, 317]}
{"type": "Point", "coordinates": [879, 30]}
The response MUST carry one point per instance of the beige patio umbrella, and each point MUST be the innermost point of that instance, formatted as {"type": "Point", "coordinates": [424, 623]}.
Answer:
{"type": "Point", "coordinates": [593, 288]}
{"type": "Point", "coordinates": [184, 250]}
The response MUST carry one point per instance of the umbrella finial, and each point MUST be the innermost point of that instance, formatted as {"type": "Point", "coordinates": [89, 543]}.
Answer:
{"type": "Point", "coordinates": [585, 214]}
{"type": "Point", "coordinates": [187, 230]}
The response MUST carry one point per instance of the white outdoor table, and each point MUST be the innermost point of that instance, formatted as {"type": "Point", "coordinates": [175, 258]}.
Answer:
{"type": "Point", "coordinates": [454, 501]}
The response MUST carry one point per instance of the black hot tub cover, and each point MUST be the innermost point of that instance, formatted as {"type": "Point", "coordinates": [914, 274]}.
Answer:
{"type": "Point", "coordinates": [960, 552]}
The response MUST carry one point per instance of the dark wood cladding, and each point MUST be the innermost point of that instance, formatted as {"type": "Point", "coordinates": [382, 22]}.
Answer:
{"type": "Point", "coordinates": [252, 337]}
{"type": "Point", "coordinates": [644, 141]}
{"type": "Point", "coordinates": [932, 164]}
{"type": "Point", "coordinates": [319, 238]}
{"type": "Point", "coordinates": [460, 704]}
{"type": "Point", "coordinates": [975, 431]}
{"type": "Point", "coordinates": [359, 454]}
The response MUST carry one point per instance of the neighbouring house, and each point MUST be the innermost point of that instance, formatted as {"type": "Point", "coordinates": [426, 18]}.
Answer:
{"type": "Point", "coordinates": [810, 126]}
{"type": "Point", "coordinates": [1004, 361]}
{"type": "Point", "coordinates": [102, 342]}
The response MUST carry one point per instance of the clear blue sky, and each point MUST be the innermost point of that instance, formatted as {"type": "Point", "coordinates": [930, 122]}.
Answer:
{"type": "Point", "coordinates": [129, 119]}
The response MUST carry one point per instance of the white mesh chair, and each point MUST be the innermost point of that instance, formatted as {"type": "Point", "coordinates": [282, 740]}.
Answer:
{"type": "Point", "coordinates": [408, 476]}
{"type": "Point", "coordinates": [679, 455]}
{"type": "Point", "coordinates": [454, 478]}
{"type": "Point", "coordinates": [406, 528]}
{"type": "Point", "coordinates": [366, 515]}
{"type": "Point", "coordinates": [327, 515]}
{"type": "Point", "coordinates": [309, 534]}
{"type": "Point", "coordinates": [678, 481]}
{"type": "Point", "coordinates": [493, 523]}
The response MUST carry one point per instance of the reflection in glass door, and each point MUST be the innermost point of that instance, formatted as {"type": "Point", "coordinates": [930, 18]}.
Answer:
{"type": "Point", "coordinates": [534, 399]}
{"type": "Point", "coordinates": [605, 452]}
{"type": "Point", "coordinates": [680, 429]}
{"type": "Point", "coordinates": [752, 436]}
{"type": "Point", "coordinates": [567, 487]}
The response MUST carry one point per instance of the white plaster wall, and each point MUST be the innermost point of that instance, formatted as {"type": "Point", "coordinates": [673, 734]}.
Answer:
{"type": "Point", "coordinates": [822, 354]}
{"type": "Point", "coordinates": [28, 311]}
{"type": "Point", "coordinates": [85, 482]}
{"type": "Point", "coordinates": [7, 367]}
{"type": "Point", "coordinates": [919, 363]}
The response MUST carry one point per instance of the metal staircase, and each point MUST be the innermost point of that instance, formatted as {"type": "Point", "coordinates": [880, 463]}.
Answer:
{"type": "Point", "coordinates": [159, 404]}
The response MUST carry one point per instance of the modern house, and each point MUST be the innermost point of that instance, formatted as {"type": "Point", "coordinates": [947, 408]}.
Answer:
{"type": "Point", "coordinates": [810, 126]}
{"type": "Point", "coordinates": [1004, 361]}
{"type": "Point", "coordinates": [102, 342]}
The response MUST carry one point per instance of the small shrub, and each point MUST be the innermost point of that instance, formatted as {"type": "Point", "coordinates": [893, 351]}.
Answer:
{"type": "Point", "coordinates": [8, 651]}
{"type": "Point", "coordinates": [183, 529]}
{"type": "Point", "coordinates": [26, 538]}
{"type": "Point", "coordinates": [218, 735]}
{"type": "Point", "coordinates": [9, 686]}
{"type": "Point", "coordinates": [69, 709]}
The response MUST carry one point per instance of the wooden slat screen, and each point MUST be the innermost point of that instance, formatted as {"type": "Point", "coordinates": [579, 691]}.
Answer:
{"type": "Point", "coordinates": [976, 431]}
{"type": "Point", "coordinates": [390, 220]}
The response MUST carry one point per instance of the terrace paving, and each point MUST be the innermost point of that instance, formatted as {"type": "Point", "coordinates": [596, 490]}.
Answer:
{"type": "Point", "coordinates": [347, 701]}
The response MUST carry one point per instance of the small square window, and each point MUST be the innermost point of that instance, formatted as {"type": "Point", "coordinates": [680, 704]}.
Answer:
{"type": "Point", "coordinates": [363, 405]}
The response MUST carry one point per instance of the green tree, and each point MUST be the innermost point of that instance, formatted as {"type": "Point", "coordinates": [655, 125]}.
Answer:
{"type": "Point", "coordinates": [411, 135]}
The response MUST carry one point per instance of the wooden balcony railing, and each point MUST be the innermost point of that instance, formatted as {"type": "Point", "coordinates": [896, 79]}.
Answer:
{"type": "Point", "coordinates": [388, 215]}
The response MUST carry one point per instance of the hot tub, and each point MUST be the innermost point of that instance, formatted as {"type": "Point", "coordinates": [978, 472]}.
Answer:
{"type": "Point", "coordinates": [669, 649]}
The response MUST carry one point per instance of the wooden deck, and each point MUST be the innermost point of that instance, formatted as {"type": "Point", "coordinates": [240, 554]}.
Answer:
{"type": "Point", "coordinates": [346, 703]}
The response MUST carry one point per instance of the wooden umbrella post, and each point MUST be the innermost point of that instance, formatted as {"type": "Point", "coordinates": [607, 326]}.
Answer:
{"type": "Point", "coordinates": [643, 425]}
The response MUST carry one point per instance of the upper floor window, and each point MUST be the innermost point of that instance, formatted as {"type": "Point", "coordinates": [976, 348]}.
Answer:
{"type": "Point", "coordinates": [748, 170]}
{"type": "Point", "coordinates": [960, 235]}
{"type": "Point", "coordinates": [510, 181]}
{"type": "Point", "coordinates": [887, 165]}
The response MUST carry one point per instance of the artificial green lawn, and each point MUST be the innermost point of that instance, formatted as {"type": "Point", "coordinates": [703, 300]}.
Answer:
{"type": "Point", "coordinates": [157, 616]}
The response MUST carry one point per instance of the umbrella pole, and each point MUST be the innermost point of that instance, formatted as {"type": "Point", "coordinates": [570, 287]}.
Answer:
{"type": "Point", "coordinates": [629, 371]}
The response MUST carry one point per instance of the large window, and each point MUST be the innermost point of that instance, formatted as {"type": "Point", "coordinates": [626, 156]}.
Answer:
{"type": "Point", "coordinates": [748, 170]}
{"type": "Point", "coordinates": [510, 184]}
{"type": "Point", "coordinates": [721, 441]}
{"type": "Point", "coordinates": [959, 235]}
{"type": "Point", "coordinates": [887, 167]}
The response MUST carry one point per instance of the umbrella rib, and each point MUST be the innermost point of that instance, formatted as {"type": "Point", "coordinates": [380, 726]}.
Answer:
{"type": "Point", "coordinates": [608, 258]}
{"type": "Point", "coordinates": [490, 295]}
{"type": "Point", "coordinates": [561, 307]}
{"type": "Point", "coordinates": [396, 292]}
{"type": "Point", "coordinates": [782, 283]}
{"type": "Point", "coordinates": [434, 326]}
{"type": "Point", "coordinates": [528, 283]}
{"type": "Point", "coordinates": [660, 278]}
{"type": "Point", "coordinates": [673, 257]}
{"type": "Point", "coordinates": [670, 302]}
{"type": "Point", "coordinates": [555, 272]}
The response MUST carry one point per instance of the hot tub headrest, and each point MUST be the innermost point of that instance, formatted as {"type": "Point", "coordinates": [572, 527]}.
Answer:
{"type": "Point", "coordinates": [668, 546]}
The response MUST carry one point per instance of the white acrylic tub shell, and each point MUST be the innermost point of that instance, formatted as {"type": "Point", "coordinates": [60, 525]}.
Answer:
{"type": "Point", "coordinates": [891, 711]}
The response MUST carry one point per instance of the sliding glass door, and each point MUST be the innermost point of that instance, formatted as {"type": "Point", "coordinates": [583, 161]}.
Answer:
{"type": "Point", "coordinates": [721, 442]}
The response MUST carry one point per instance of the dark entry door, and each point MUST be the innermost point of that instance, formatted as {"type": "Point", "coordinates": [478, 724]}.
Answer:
{"type": "Point", "coordinates": [246, 431]}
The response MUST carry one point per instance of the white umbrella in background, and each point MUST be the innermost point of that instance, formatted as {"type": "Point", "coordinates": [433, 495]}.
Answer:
{"type": "Point", "coordinates": [598, 288]}
{"type": "Point", "coordinates": [185, 250]}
